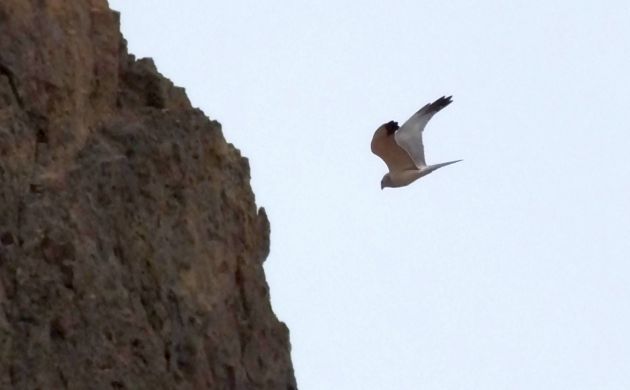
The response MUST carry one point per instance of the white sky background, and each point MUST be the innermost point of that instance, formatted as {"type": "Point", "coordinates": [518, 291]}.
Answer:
{"type": "Point", "coordinates": [509, 270]}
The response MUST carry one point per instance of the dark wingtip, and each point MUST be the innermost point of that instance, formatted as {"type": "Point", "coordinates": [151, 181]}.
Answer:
{"type": "Point", "coordinates": [440, 104]}
{"type": "Point", "coordinates": [391, 127]}
{"type": "Point", "coordinates": [444, 101]}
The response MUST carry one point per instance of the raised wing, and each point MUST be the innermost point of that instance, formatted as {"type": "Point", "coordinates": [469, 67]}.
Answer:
{"type": "Point", "coordinates": [384, 145]}
{"type": "Point", "coordinates": [409, 136]}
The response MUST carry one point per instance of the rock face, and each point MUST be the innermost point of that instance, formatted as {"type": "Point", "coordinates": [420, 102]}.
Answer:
{"type": "Point", "coordinates": [131, 248]}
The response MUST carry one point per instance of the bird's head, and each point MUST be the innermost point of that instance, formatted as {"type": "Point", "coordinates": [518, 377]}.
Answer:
{"type": "Point", "coordinates": [386, 181]}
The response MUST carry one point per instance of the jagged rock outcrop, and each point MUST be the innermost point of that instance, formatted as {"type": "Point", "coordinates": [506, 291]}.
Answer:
{"type": "Point", "coordinates": [131, 248]}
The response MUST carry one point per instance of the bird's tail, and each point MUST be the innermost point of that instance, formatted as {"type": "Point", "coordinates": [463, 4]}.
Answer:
{"type": "Point", "coordinates": [434, 167]}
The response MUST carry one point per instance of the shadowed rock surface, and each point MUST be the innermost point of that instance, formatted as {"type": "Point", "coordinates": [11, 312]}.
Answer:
{"type": "Point", "coordinates": [131, 248]}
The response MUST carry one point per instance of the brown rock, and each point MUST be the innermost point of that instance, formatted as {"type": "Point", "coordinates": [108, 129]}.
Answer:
{"type": "Point", "coordinates": [131, 248]}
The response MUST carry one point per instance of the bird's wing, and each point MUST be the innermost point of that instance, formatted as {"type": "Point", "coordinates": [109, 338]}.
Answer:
{"type": "Point", "coordinates": [384, 145]}
{"type": "Point", "coordinates": [409, 137]}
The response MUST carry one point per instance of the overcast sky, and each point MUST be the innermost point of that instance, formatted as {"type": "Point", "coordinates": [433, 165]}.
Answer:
{"type": "Point", "coordinates": [509, 270]}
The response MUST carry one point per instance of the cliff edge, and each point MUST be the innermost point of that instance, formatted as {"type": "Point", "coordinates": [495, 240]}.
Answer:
{"type": "Point", "coordinates": [131, 248]}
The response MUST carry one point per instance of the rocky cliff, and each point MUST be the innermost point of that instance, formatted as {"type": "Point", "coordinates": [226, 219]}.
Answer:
{"type": "Point", "coordinates": [131, 248]}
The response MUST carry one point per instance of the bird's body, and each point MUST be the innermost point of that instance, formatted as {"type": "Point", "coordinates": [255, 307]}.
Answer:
{"type": "Point", "coordinates": [401, 148]}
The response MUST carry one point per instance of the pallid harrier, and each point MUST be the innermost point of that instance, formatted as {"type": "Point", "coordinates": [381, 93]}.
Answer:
{"type": "Point", "coordinates": [401, 147]}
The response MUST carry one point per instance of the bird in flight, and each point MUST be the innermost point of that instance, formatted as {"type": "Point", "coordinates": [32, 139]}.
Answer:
{"type": "Point", "coordinates": [401, 147]}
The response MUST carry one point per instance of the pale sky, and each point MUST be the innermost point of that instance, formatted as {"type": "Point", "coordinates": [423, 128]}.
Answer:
{"type": "Point", "coordinates": [509, 270]}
